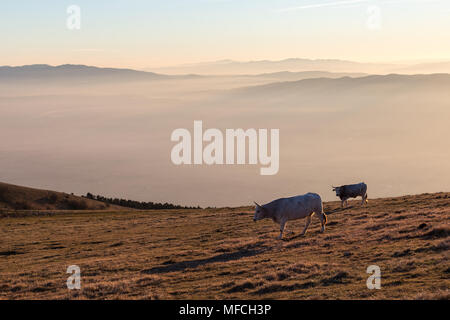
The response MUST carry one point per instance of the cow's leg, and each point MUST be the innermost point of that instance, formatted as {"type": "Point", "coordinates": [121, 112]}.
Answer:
{"type": "Point", "coordinates": [282, 225]}
{"type": "Point", "coordinates": [365, 198]}
{"type": "Point", "coordinates": [342, 203]}
{"type": "Point", "coordinates": [286, 230]}
{"type": "Point", "coordinates": [308, 221]}
{"type": "Point", "coordinates": [323, 220]}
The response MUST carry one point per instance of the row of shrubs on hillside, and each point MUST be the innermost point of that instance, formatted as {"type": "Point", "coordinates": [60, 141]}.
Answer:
{"type": "Point", "coordinates": [136, 204]}
{"type": "Point", "coordinates": [52, 200]}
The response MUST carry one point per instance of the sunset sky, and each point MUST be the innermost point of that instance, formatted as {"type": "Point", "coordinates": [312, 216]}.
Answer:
{"type": "Point", "coordinates": [145, 34]}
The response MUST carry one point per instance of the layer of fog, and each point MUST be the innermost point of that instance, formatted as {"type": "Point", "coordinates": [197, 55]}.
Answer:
{"type": "Point", "coordinates": [114, 139]}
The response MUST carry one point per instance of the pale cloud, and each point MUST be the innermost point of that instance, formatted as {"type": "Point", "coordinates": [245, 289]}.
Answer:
{"type": "Point", "coordinates": [352, 3]}
{"type": "Point", "coordinates": [88, 50]}
{"type": "Point", "coordinates": [325, 4]}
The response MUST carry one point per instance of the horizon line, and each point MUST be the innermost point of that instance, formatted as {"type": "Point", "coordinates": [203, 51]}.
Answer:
{"type": "Point", "coordinates": [187, 64]}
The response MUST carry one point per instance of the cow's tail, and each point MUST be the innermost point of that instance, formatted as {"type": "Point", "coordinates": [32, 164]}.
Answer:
{"type": "Point", "coordinates": [324, 216]}
{"type": "Point", "coordinates": [325, 219]}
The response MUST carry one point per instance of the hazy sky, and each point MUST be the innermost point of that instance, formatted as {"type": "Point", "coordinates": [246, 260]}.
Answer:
{"type": "Point", "coordinates": [143, 34]}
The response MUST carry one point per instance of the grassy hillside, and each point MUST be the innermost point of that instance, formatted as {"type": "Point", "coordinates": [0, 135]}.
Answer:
{"type": "Point", "coordinates": [222, 253]}
{"type": "Point", "coordinates": [14, 197]}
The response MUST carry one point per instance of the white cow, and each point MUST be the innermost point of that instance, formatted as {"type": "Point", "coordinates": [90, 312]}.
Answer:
{"type": "Point", "coordinates": [298, 207]}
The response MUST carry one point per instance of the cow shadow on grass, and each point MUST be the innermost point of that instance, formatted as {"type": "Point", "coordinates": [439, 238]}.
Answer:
{"type": "Point", "coordinates": [339, 209]}
{"type": "Point", "coordinates": [309, 234]}
{"type": "Point", "coordinates": [182, 265]}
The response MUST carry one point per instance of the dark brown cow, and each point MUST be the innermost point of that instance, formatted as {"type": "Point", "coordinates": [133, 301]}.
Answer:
{"type": "Point", "coordinates": [352, 191]}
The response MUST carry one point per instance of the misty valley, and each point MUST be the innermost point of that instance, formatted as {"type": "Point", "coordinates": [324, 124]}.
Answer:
{"type": "Point", "coordinates": [114, 138]}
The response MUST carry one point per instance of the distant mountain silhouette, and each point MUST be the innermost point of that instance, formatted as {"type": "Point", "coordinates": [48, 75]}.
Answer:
{"type": "Point", "coordinates": [292, 76]}
{"type": "Point", "coordinates": [436, 81]}
{"type": "Point", "coordinates": [430, 67]}
{"type": "Point", "coordinates": [230, 67]}
{"type": "Point", "coordinates": [70, 72]}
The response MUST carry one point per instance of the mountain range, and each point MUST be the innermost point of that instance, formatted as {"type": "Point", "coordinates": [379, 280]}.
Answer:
{"type": "Point", "coordinates": [229, 67]}
{"type": "Point", "coordinates": [73, 72]}
{"type": "Point", "coordinates": [283, 70]}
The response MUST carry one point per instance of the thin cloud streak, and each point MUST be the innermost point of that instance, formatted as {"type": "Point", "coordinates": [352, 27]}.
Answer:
{"type": "Point", "coordinates": [353, 3]}
{"type": "Point", "coordinates": [326, 4]}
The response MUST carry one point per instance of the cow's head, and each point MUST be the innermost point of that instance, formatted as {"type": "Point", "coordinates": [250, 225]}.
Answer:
{"type": "Point", "coordinates": [337, 190]}
{"type": "Point", "coordinates": [259, 212]}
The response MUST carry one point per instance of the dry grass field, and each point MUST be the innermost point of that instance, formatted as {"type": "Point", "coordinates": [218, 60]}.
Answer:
{"type": "Point", "coordinates": [223, 254]}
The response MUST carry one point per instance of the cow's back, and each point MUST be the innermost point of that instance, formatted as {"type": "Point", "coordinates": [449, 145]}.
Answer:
{"type": "Point", "coordinates": [354, 190]}
{"type": "Point", "coordinates": [296, 207]}
{"type": "Point", "coordinates": [311, 200]}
